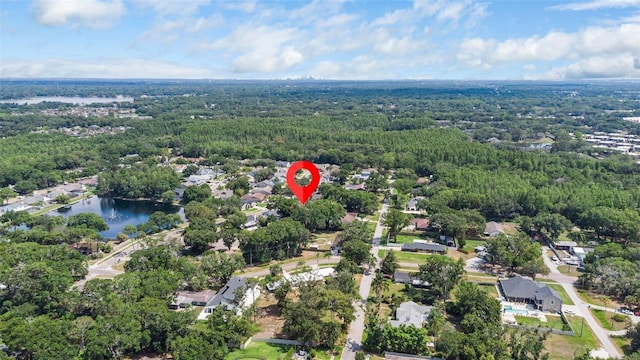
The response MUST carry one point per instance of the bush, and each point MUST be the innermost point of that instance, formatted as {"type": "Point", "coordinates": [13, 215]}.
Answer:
{"type": "Point", "coordinates": [360, 355]}
{"type": "Point", "coordinates": [619, 318]}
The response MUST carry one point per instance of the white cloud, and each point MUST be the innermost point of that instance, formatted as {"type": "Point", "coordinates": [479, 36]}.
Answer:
{"type": "Point", "coordinates": [102, 69]}
{"type": "Point", "coordinates": [597, 4]}
{"type": "Point", "coordinates": [591, 41]}
{"type": "Point", "coordinates": [246, 6]}
{"type": "Point", "coordinates": [441, 10]}
{"type": "Point", "coordinates": [259, 48]}
{"type": "Point", "coordinates": [619, 66]}
{"type": "Point", "coordinates": [274, 61]}
{"type": "Point", "coordinates": [171, 8]}
{"type": "Point", "coordinates": [91, 13]}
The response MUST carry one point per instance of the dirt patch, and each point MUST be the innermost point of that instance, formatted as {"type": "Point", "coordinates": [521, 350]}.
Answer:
{"type": "Point", "coordinates": [509, 228]}
{"type": "Point", "coordinates": [269, 318]}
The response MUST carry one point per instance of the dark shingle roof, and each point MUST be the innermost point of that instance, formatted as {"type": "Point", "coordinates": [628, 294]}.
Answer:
{"type": "Point", "coordinates": [519, 287]}
{"type": "Point", "coordinates": [228, 293]}
{"type": "Point", "coordinates": [424, 247]}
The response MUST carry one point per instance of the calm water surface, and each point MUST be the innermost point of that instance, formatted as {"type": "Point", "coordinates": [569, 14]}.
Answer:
{"type": "Point", "coordinates": [118, 213]}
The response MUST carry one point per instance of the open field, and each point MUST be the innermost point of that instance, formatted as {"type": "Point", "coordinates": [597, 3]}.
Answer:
{"type": "Point", "coordinates": [406, 257]}
{"type": "Point", "coordinates": [562, 347]}
{"type": "Point", "coordinates": [471, 244]}
{"type": "Point", "coordinates": [568, 270]}
{"type": "Point", "coordinates": [259, 350]}
{"type": "Point", "coordinates": [622, 343]}
{"type": "Point", "coordinates": [553, 322]}
{"type": "Point", "coordinates": [605, 318]}
{"type": "Point", "coordinates": [490, 289]}
{"type": "Point", "coordinates": [566, 300]}
{"type": "Point", "coordinates": [597, 299]}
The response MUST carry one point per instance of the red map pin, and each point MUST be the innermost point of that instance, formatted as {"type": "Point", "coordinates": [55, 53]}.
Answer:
{"type": "Point", "coordinates": [303, 193]}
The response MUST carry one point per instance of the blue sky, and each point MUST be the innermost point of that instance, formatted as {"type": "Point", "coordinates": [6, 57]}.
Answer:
{"type": "Point", "coordinates": [327, 39]}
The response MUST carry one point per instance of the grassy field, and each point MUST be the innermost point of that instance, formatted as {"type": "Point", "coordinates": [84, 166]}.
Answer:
{"type": "Point", "coordinates": [553, 322]}
{"type": "Point", "coordinates": [260, 350]}
{"type": "Point", "coordinates": [568, 270]}
{"type": "Point", "coordinates": [605, 320]}
{"type": "Point", "coordinates": [566, 300]}
{"type": "Point", "coordinates": [622, 343]}
{"type": "Point", "coordinates": [596, 299]}
{"type": "Point", "coordinates": [490, 289]}
{"type": "Point", "coordinates": [406, 257]}
{"type": "Point", "coordinates": [471, 244]}
{"type": "Point", "coordinates": [562, 347]}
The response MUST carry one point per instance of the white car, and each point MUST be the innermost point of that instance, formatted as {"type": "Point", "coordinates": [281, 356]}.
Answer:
{"type": "Point", "coordinates": [570, 312]}
{"type": "Point", "coordinates": [554, 258]}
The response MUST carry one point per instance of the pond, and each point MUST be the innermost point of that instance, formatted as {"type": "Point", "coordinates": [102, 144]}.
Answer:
{"type": "Point", "coordinates": [76, 100]}
{"type": "Point", "coordinates": [118, 213]}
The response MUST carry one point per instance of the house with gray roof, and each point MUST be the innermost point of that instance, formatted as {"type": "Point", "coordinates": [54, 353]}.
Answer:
{"type": "Point", "coordinates": [235, 295]}
{"type": "Point", "coordinates": [410, 313]}
{"type": "Point", "coordinates": [424, 247]}
{"type": "Point", "coordinates": [521, 289]}
{"type": "Point", "coordinates": [493, 229]}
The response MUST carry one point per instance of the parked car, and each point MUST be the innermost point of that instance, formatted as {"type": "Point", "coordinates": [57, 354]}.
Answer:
{"type": "Point", "coordinates": [554, 258]}
{"type": "Point", "coordinates": [625, 311]}
{"type": "Point", "coordinates": [570, 312]}
{"type": "Point", "coordinates": [636, 313]}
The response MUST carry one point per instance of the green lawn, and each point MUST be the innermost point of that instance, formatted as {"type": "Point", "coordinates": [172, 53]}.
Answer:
{"type": "Point", "coordinates": [568, 270]}
{"type": "Point", "coordinates": [553, 322]}
{"type": "Point", "coordinates": [566, 300]}
{"type": "Point", "coordinates": [605, 320]}
{"type": "Point", "coordinates": [592, 298]}
{"type": "Point", "coordinates": [562, 347]}
{"type": "Point", "coordinates": [490, 289]}
{"type": "Point", "coordinates": [623, 343]}
{"type": "Point", "coordinates": [471, 244]}
{"type": "Point", "coordinates": [260, 350]}
{"type": "Point", "coordinates": [406, 257]}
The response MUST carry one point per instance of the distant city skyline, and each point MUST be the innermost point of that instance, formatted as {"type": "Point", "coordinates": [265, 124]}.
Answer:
{"type": "Point", "coordinates": [323, 39]}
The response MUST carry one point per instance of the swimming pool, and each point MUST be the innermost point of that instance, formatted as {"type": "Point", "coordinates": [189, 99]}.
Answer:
{"type": "Point", "coordinates": [509, 309]}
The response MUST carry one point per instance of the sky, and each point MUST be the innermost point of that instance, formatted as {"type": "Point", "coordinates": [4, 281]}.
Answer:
{"type": "Point", "coordinates": [323, 39]}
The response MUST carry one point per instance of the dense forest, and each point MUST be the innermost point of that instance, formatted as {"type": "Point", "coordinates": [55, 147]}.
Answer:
{"type": "Point", "coordinates": [405, 130]}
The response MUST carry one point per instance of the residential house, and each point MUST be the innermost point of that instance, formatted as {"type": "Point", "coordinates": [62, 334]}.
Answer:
{"type": "Point", "coordinates": [86, 247]}
{"type": "Point", "coordinates": [403, 277]}
{"type": "Point", "coordinates": [424, 247]}
{"type": "Point", "coordinates": [18, 206]}
{"type": "Point", "coordinates": [581, 252]}
{"type": "Point", "coordinates": [251, 199]}
{"type": "Point", "coordinates": [412, 205]}
{"type": "Point", "coordinates": [420, 224]}
{"type": "Point", "coordinates": [521, 289]}
{"type": "Point", "coordinates": [192, 298]}
{"type": "Point", "coordinates": [354, 186]}
{"type": "Point", "coordinates": [564, 245]}
{"type": "Point", "coordinates": [297, 279]}
{"type": "Point", "coordinates": [223, 194]}
{"type": "Point", "coordinates": [349, 218]}
{"type": "Point", "coordinates": [493, 229]}
{"type": "Point", "coordinates": [235, 295]}
{"type": "Point", "coordinates": [411, 314]}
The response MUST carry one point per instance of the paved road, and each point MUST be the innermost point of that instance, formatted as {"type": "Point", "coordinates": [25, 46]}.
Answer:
{"type": "Point", "coordinates": [356, 329]}
{"type": "Point", "coordinates": [580, 306]}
